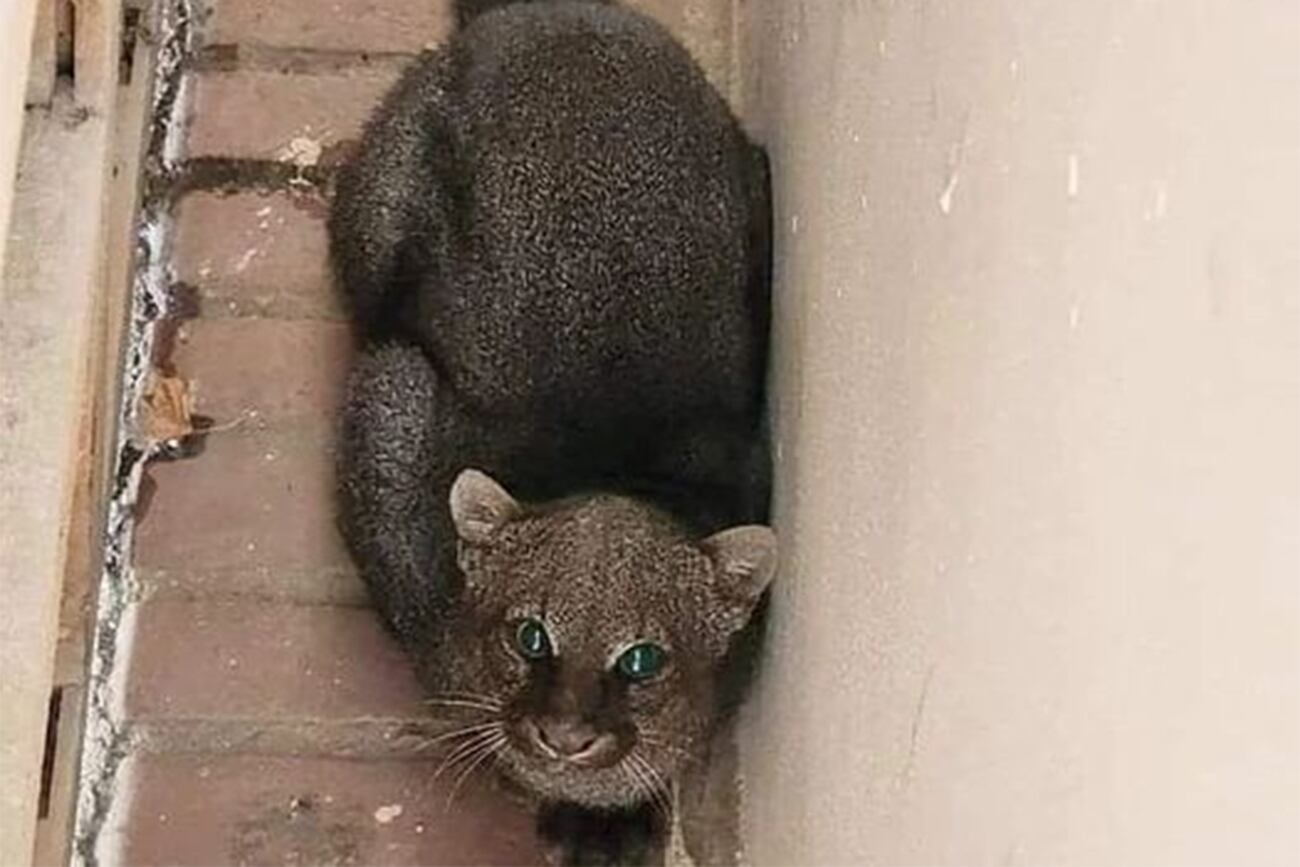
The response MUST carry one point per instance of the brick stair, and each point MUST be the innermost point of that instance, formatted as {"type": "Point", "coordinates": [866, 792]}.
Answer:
{"type": "Point", "coordinates": [274, 721]}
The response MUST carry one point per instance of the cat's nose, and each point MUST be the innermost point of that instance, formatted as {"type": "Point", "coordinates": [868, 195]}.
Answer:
{"type": "Point", "coordinates": [565, 739]}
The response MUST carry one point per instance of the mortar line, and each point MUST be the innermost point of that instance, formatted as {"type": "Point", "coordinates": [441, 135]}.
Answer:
{"type": "Point", "coordinates": [107, 737]}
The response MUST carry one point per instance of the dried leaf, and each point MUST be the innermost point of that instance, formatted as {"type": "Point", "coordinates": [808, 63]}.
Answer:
{"type": "Point", "coordinates": [169, 408]}
{"type": "Point", "coordinates": [303, 152]}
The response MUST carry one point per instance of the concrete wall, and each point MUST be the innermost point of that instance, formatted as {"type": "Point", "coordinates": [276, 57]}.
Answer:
{"type": "Point", "coordinates": [1036, 384]}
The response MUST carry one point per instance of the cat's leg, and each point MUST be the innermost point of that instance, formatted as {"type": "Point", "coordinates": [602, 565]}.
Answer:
{"type": "Point", "coordinates": [709, 802]}
{"type": "Point", "coordinates": [390, 461]}
{"type": "Point", "coordinates": [711, 472]}
{"type": "Point", "coordinates": [580, 837]}
{"type": "Point", "coordinates": [387, 225]}
{"type": "Point", "coordinates": [405, 438]}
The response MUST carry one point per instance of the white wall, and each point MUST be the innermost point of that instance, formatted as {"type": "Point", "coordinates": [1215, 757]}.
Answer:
{"type": "Point", "coordinates": [1036, 380]}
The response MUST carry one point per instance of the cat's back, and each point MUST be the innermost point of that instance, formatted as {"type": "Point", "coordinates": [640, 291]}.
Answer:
{"type": "Point", "coordinates": [603, 218]}
{"type": "Point", "coordinates": [519, 65]}
{"type": "Point", "coordinates": [595, 105]}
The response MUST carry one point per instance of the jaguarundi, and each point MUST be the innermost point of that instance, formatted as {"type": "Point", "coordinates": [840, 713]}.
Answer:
{"type": "Point", "coordinates": [554, 242]}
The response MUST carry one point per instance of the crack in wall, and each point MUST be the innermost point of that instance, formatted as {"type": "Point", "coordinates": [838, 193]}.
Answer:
{"type": "Point", "coordinates": [108, 737]}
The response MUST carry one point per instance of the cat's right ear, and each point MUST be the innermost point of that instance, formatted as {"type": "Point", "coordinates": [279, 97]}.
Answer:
{"type": "Point", "coordinates": [745, 559]}
{"type": "Point", "coordinates": [479, 506]}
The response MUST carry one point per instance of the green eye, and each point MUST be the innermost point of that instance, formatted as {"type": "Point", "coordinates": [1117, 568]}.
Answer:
{"type": "Point", "coordinates": [531, 640]}
{"type": "Point", "coordinates": [642, 661]}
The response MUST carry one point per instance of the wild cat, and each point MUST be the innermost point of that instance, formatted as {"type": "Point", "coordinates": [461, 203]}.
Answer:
{"type": "Point", "coordinates": [554, 240]}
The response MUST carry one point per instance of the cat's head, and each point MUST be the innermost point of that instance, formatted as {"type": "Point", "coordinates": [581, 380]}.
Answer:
{"type": "Point", "coordinates": [590, 635]}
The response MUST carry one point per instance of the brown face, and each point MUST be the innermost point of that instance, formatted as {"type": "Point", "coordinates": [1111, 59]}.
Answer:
{"type": "Point", "coordinates": [589, 637]}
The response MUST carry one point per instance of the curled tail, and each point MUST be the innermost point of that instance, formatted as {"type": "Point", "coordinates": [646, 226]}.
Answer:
{"type": "Point", "coordinates": [468, 10]}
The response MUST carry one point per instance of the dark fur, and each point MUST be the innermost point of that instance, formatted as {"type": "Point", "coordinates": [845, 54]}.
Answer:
{"type": "Point", "coordinates": [554, 241]}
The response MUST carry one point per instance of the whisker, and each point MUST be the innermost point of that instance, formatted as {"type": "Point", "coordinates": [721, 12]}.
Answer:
{"type": "Point", "coordinates": [655, 776]}
{"type": "Point", "coordinates": [657, 737]}
{"type": "Point", "coordinates": [465, 749]}
{"type": "Point", "coordinates": [669, 793]}
{"type": "Point", "coordinates": [469, 757]}
{"type": "Point", "coordinates": [460, 702]}
{"type": "Point", "coordinates": [639, 783]}
{"type": "Point", "coordinates": [683, 756]}
{"type": "Point", "coordinates": [650, 740]}
{"type": "Point", "coordinates": [659, 787]}
{"type": "Point", "coordinates": [457, 733]}
{"type": "Point", "coordinates": [464, 693]}
{"type": "Point", "coordinates": [657, 804]}
{"type": "Point", "coordinates": [492, 749]}
{"type": "Point", "coordinates": [643, 784]}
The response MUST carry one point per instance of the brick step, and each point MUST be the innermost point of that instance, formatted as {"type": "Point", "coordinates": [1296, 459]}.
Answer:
{"type": "Point", "coordinates": [355, 738]}
{"type": "Point", "coordinates": [294, 59]}
{"type": "Point", "coordinates": [359, 26]}
{"type": "Point", "coordinates": [258, 499]}
{"type": "Point", "coordinates": [268, 115]}
{"type": "Point", "coordinates": [327, 585]}
{"type": "Point", "coordinates": [245, 809]}
{"type": "Point", "coordinates": [253, 660]}
{"type": "Point", "coordinates": [255, 254]}
{"type": "Point", "coordinates": [274, 372]}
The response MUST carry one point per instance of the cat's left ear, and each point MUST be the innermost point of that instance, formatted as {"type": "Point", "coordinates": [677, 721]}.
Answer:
{"type": "Point", "coordinates": [479, 506]}
{"type": "Point", "coordinates": [745, 561]}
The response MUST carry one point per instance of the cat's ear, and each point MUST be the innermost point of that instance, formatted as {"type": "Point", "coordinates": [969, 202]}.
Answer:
{"type": "Point", "coordinates": [479, 506]}
{"type": "Point", "coordinates": [745, 561]}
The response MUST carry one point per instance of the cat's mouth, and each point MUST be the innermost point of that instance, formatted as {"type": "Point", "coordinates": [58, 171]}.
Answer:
{"type": "Point", "coordinates": [597, 769]}
{"type": "Point", "coordinates": [567, 743]}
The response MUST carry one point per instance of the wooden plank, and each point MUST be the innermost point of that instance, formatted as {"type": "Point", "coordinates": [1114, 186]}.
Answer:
{"type": "Point", "coordinates": [99, 434]}
{"type": "Point", "coordinates": [17, 23]}
{"type": "Point", "coordinates": [54, 270]}
{"type": "Point", "coordinates": [45, 60]}
{"type": "Point", "coordinates": [57, 811]}
{"type": "Point", "coordinates": [46, 309]}
{"type": "Point", "coordinates": [96, 43]}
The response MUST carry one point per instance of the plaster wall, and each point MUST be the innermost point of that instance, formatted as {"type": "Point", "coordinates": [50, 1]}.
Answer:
{"type": "Point", "coordinates": [1036, 385]}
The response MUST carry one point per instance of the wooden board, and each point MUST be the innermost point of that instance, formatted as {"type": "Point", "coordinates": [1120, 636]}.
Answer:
{"type": "Point", "coordinates": [54, 339]}
{"type": "Point", "coordinates": [17, 20]}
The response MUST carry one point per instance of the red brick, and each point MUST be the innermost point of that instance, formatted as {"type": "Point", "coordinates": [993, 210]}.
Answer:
{"type": "Point", "coordinates": [252, 253]}
{"type": "Point", "coordinates": [256, 114]}
{"type": "Point", "coordinates": [202, 810]}
{"type": "Point", "coordinates": [253, 660]}
{"type": "Point", "coordinates": [264, 369]}
{"type": "Point", "coordinates": [331, 25]}
{"type": "Point", "coordinates": [254, 499]}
